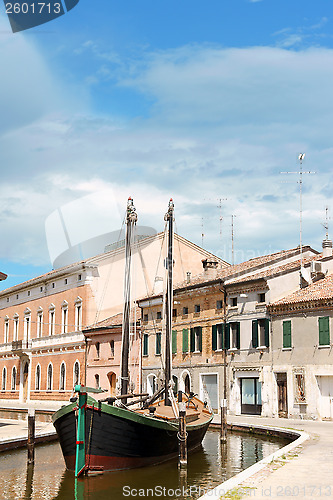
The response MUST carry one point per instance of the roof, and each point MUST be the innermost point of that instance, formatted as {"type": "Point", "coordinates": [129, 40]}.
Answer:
{"type": "Point", "coordinates": [251, 265]}
{"type": "Point", "coordinates": [320, 290]}
{"type": "Point", "coordinates": [116, 320]}
{"type": "Point", "coordinates": [3, 276]}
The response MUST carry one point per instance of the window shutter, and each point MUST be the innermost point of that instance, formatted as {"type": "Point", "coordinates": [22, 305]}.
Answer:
{"type": "Point", "coordinates": [174, 341]}
{"type": "Point", "coordinates": [238, 335]}
{"type": "Point", "coordinates": [324, 331]}
{"type": "Point", "coordinates": [254, 333]}
{"type": "Point", "coordinates": [266, 332]}
{"type": "Point", "coordinates": [214, 337]}
{"type": "Point", "coordinates": [227, 336]}
{"type": "Point", "coordinates": [200, 337]}
{"type": "Point", "coordinates": [185, 339]}
{"type": "Point", "coordinates": [158, 343]}
{"type": "Point", "coordinates": [145, 344]}
{"type": "Point", "coordinates": [286, 326]}
{"type": "Point", "coordinates": [192, 340]}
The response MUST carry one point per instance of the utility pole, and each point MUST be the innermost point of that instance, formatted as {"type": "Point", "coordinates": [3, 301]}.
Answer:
{"type": "Point", "coordinates": [232, 239]}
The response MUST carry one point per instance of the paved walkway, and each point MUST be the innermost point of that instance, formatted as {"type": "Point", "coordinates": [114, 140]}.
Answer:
{"type": "Point", "coordinates": [303, 470]}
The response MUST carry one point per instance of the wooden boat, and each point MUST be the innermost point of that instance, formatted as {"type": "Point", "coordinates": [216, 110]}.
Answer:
{"type": "Point", "coordinates": [114, 435]}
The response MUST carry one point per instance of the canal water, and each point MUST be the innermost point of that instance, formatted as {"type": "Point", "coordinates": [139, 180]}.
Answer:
{"type": "Point", "coordinates": [209, 466]}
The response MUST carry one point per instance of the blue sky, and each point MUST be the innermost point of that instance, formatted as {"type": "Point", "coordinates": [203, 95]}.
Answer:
{"type": "Point", "coordinates": [190, 99]}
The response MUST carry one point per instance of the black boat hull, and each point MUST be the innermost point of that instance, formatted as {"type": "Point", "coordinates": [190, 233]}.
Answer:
{"type": "Point", "coordinates": [118, 439]}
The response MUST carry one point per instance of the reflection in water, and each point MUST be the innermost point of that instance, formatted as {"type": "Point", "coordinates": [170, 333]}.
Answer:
{"type": "Point", "coordinates": [210, 465]}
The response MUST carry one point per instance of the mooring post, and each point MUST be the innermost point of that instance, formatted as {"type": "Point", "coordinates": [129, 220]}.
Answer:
{"type": "Point", "coordinates": [31, 436]}
{"type": "Point", "coordinates": [182, 434]}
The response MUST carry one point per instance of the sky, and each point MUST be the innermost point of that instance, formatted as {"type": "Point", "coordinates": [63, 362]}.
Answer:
{"type": "Point", "coordinates": [205, 102]}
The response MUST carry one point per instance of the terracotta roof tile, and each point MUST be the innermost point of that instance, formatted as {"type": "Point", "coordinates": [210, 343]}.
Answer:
{"type": "Point", "coordinates": [322, 289]}
{"type": "Point", "coordinates": [116, 320]}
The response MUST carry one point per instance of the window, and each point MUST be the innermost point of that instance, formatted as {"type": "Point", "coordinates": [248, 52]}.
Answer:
{"type": "Point", "coordinates": [219, 304]}
{"type": "Point", "coordinates": [4, 379]}
{"type": "Point", "coordinates": [49, 377]}
{"type": "Point", "coordinates": [28, 293]}
{"type": "Point", "coordinates": [261, 297]}
{"type": "Point", "coordinates": [6, 330]}
{"type": "Point", "coordinates": [174, 313]}
{"type": "Point", "coordinates": [62, 376]}
{"type": "Point", "coordinates": [185, 311]}
{"type": "Point", "coordinates": [39, 323]}
{"type": "Point", "coordinates": [112, 348]}
{"type": "Point", "coordinates": [196, 339]}
{"type": "Point", "coordinates": [79, 277]}
{"type": "Point", "coordinates": [197, 308]}
{"type": "Point", "coordinates": [97, 346]}
{"type": "Point", "coordinates": [41, 289]}
{"type": "Point", "coordinates": [51, 319]}
{"type": "Point", "coordinates": [78, 314]}
{"type": "Point", "coordinates": [14, 378]}
{"type": "Point", "coordinates": [324, 331]}
{"type": "Point", "coordinates": [16, 327]}
{"type": "Point", "coordinates": [159, 315]}
{"type": "Point", "coordinates": [185, 340]}
{"type": "Point", "coordinates": [233, 301]}
{"type": "Point", "coordinates": [158, 343]}
{"type": "Point", "coordinates": [53, 285]}
{"type": "Point", "coordinates": [174, 342]}
{"type": "Point", "coordinates": [7, 299]}
{"type": "Point", "coordinates": [64, 316]}
{"type": "Point", "coordinates": [145, 344]}
{"type": "Point", "coordinates": [37, 378]}
{"type": "Point", "coordinates": [175, 384]}
{"type": "Point", "coordinates": [145, 317]}
{"type": "Point", "coordinates": [97, 381]}
{"type": "Point", "coordinates": [218, 337]}
{"type": "Point", "coordinates": [260, 333]}
{"type": "Point", "coordinates": [76, 373]}
{"type": "Point", "coordinates": [234, 335]}
{"type": "Point", "coordinates": [17, 296]}
{"type": "Point", "coordinates": [27, 324]}
{"type": "Point", "coordinates": [66, 281]}
{"type": "Point", "coordinates": [286, 340]}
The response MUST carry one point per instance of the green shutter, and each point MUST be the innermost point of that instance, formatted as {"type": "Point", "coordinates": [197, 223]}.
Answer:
{"type": "Point", "coordinates": [145, 344]}
{"type": "Point", "coordinates": [324, 331]}
{"type": "Point", "coordinates": [174, 341]}
{"type": "Point", "coordinates": [185, 339]}
{"type": "Point", "coordinates": [238, 335]}
{"type": "Point", "coordinates": [158, 343]}
{"type": "Point", "coordinates": [254, 333]}
{"type": "Point", "coordinates": [227, 336]}
{"type": "Point", "coordinates": [286, 326]}
{"type": "Point", "coordinates": [222, 326]}
{"type": "Point", "coordinates": [214, 337]}
{"type": "Point", "coordinates": [200, 337]}
{"type": "Point", "coordinates": [192, 340]}
{"type": "Point", "coordinates": [266, 332]}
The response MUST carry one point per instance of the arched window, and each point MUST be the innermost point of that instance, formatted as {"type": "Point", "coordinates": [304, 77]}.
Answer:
{"type": "Point", "coordinates": [49, 377]}
{"type": "Point", "coordinates": [76, 373]}
{"type": "Point", "coordinates": [4, 378]}
{"type": "Point", "coordinates": [151, 384]}
{"type": "Point", "coordinates": [97, 345]}
{"type": "Point", "coordinates": [112, 348]}
{"type": "Point", "coordinates": [97, 381]}
{"type": "Point", "coordinates": [62, 376]}
{"type": "Point", "coordinates": [14, 378]}
{"type": "Point", "coordinates": [37, 378]}
{"type": "Point", "coordinates": [64, 316]}
{"type": "Point", "coordinates": [78, 314]}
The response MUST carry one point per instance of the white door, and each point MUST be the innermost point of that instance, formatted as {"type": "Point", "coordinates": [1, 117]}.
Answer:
{"type": "Point", "coordinates": [209, 382]}
{"type": "Point", "coordinates": [326, 397]}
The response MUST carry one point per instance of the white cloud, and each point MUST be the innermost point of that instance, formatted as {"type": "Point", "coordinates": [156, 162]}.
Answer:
{"type": "Point", "coordinates": [224, 123]}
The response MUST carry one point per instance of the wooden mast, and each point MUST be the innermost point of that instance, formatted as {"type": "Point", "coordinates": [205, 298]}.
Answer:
{"type": "Point", "coordinates": [131, 218]}
{"type": "Point", "coordinates": [169, 302]}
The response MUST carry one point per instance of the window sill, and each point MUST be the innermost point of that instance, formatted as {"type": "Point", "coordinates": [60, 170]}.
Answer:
{"type": "Point", "coordinates": [157, 354]}
{"type": "Point", "coordinates": [262, 348]}
{"type": "Point", "coordinates": [287, 348]}
{"type": "Point", "coordinates": [233, 308]}
{"type": "Point", "coordinates": [324, 346]}
{"type": "Point", "coordinates": [196, 352]}
{"type": "Point", "coordinates": [233, 349]}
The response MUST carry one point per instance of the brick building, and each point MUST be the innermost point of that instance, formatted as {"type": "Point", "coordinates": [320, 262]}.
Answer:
{"type": "Point", "coordinates": [42, 347]}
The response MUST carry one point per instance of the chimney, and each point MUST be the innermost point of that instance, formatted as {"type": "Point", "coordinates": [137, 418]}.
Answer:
{"type": "Point", "coordinates": [188, 277]}
{"type": "Point", "coordinates": [210, 268]}
{"type": "Point", "coordinates": [327, 248]}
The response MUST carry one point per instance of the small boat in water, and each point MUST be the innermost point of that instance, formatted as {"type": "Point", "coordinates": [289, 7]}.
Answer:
{"type": "Point", "coordinates": [114, 434]}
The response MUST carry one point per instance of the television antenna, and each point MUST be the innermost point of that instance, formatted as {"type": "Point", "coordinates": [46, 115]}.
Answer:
{"type": "Point", "coordinates": [301, 157]}
{"type": "Point", "coordinates": [327, 218]}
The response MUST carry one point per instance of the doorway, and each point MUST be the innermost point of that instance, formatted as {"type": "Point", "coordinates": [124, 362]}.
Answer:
{"type": "Point", "coordinates": [325, 384]}
{"type": "Point", "coordinates": [281, 380]}
{"type": "Point", "coordinates": [250, 396]}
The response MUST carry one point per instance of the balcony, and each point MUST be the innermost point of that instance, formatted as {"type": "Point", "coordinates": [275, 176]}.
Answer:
{"type": "Point", "coordinates": [20, 346]}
